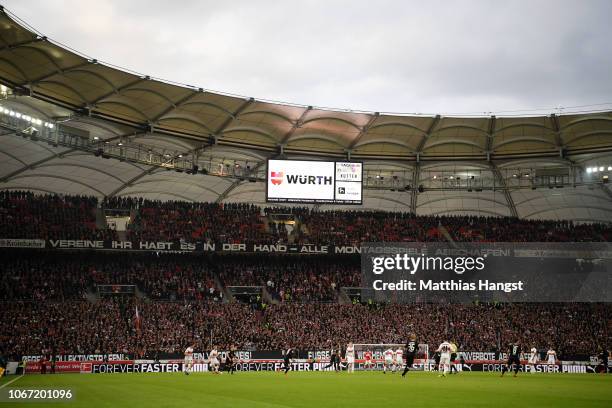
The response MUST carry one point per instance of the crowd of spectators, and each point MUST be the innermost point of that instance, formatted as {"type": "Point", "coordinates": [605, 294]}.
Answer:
{"type": "Point", "coordinates": [41, 276]}
{"type": "Point", "coordinates": [169, 327]}
{"type": "Point", "coordinates": [355, 227]}
{"type": "Point", "coordinates": [43, 291]}
{"type": "Point", "coordinates": [577, 328]}
{"type": "Point", "coordinates": [506, 229]}
{"type": "Point", "coordinates": [61, 276]}
{"type": "Point", "coordinates": [77, 327]}
{"type": "Point", "coordinates": [26, 215]}
{"type": "Point", "coordinates": [122, 203]}
{"type": "Point", "coordinates": [109, 326]}
{"type": "Point", "coordinates": [160, 276]}
{"type": "Point", "coordinates": [208, 222]}
{"type": "Point", "coordinates": [292, 278]}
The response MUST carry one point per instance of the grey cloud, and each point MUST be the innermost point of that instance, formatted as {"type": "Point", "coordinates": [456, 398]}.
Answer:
{"type": "Point", "coordinates": [452, 56]}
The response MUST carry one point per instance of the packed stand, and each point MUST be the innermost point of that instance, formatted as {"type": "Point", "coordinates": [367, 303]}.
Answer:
{"type": "Point", "coordinates": [41, 276]}
{"type": "Point", "coordinates": [32, 328]}
{"type": "Point", "coordinates": [122, 203]}
{"type": "Point", "coordinates": [208, 222]}
{"type": "Point", "coordinates": [355, 227]}
{"type": "Point", "coordinates": [110, 326]}
{"type": "Point", "coordinates": [292, 278]}
{"type": "Point", "coordinates": [55, 275]}
{"type": "Point", "coordinates": [506, 229]}
{"type": "Point", "coordinates": [59, 276]}
{"type": "Point", "coordinates": [25, 215]}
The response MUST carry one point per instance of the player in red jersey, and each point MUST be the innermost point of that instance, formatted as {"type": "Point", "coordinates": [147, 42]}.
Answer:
{"type": "Point", "coordinates": [367, 356]}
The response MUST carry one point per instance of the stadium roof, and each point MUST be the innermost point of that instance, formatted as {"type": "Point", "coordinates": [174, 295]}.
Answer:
{"type": "Point", "coordinates": [48, 71]}
{"type": "Point", "coordinates": [51, 81]}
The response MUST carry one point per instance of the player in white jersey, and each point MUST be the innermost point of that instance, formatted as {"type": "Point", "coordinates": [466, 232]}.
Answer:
{"type": "Point", "coordinates": [188, 365]}
{"type": "Point", "coordinates": [445, 357]}
{"type": "Point", "coordinates": [552, 356]}
{"type": "Point", "coordinates": [399, 358]}
{"type": "Point", "coordinates": [350, 358]}
{"type": "Point", "coordinates": [388, 360]}
{"type": "Point", "coordinates": [533, 360]}
{"type": "Point", "coordinates": [213, 360]}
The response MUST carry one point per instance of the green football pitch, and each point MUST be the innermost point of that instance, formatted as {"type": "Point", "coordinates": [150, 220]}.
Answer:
{"type": "Point", "coordinates": [322, 389]}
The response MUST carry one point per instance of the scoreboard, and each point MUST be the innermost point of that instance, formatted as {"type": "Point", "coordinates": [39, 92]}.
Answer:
{"type": "Point", "coordinates": [312, 182]}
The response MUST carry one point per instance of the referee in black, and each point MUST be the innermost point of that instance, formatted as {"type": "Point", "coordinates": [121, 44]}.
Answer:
{"type": "Point", "coordinates": [230, 361]}
{"type": "Point", "coordinates": [332, 359]}
{"type": "Point", "coordinates": [338, 359]}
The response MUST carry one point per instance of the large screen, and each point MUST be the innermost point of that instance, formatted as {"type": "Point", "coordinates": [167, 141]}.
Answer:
{"type": "Point", "coordinates": [303, 181]}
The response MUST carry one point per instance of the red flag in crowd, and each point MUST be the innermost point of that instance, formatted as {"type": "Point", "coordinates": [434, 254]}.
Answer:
{"type": "Point", "coordinates": [137, 321]}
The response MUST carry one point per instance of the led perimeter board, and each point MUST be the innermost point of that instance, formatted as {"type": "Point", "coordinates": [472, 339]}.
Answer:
{"type": "Point", "coordinates": [311, 182]}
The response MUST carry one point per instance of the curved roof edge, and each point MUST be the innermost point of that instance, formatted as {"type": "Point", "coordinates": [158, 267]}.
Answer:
{"type": "Point", "coordinates": [32, 64]}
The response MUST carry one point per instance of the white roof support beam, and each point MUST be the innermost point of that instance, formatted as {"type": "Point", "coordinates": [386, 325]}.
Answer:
{"type": "Point", "coordinates": [236, 183]}
{"type": "Point", "coordinates": [390, 199]}
{"type": "Point", "coordinates": [22, 43]}
{"type": "Point", "coordinates": [65, 178]}
{"type": "Point", "coordinates": [228, 190]}
{"type": "Point", "coordinates": [176, 105]}
{"type": "Point", "coordinates": [434, 122]}
{"type": "Point", "coordinates": [63, 71]}
{"type": "Point", "coordinates": [566, 207]}
{"type": "Point", "coordinates": [233, 116]}
{"type": "Point", "coordinates": [554, 119]}
{"type": "Point", "coordinates": [416, 177]}
{"type": "Point", "coordinates": [606, 191]}
{"type": "Point", "coordinates": [504, 187]}
{"type": "Point", "coordinates": [116, 91]}
{"type": "Point", "coordinates": [298, 123]}
{"type": "Point", "coordinates": [490, 133]}
{"type": "Point", "coordinates": [34, 165]}
{"type": "Point", "coordinates": [131, 181]}
{"type": "Point", "coordinates": [12, 156]}
{"type": "Point", "coordinates": [364, 130]}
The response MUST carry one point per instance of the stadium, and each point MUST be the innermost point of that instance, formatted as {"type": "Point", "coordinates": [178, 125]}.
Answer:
{"type": "Point", "coordinates": [168, 245]}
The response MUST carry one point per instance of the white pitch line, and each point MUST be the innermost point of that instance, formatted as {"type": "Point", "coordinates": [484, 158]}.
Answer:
{"type": "Point", "coordinates": [12, 381]}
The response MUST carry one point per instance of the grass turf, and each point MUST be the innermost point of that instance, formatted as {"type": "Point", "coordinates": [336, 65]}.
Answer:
{"type": "Point", "coordinates": [323, 389]}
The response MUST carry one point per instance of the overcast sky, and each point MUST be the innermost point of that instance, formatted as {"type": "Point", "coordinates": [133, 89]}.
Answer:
{"type": "Point", "coordinates": [401, 56]}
